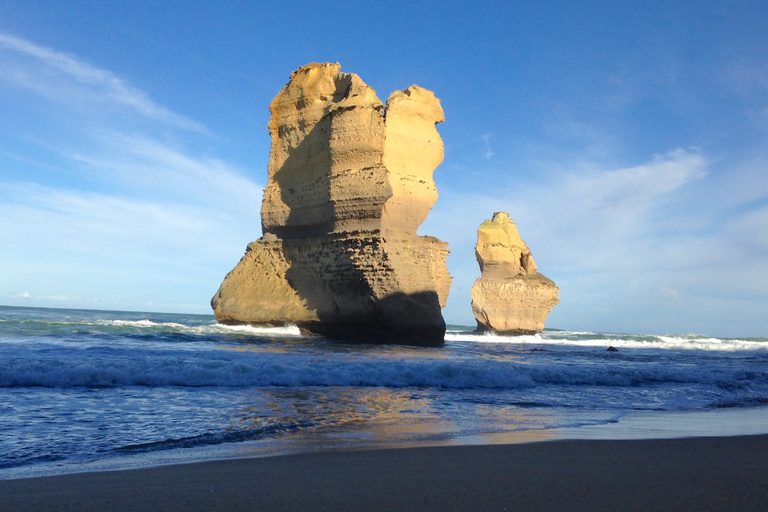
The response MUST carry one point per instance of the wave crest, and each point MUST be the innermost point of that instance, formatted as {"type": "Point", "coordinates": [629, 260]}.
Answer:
{"type": "Point", "coordinates": [590, 339]}
{"type": "Point", "coordinates": [296, 370]}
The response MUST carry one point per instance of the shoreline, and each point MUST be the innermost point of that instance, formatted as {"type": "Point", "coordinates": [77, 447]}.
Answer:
{"type": "Point", "coordinates": [703, 473]}
{"type": "Point", "coordinates": [636, 426]}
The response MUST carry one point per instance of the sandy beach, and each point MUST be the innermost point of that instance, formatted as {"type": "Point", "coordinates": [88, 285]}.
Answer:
{"type": "Point", "coordinates": [724, 473]}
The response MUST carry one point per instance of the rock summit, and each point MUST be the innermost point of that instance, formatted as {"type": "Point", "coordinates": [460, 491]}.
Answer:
{"type": "Point", "coordinates": [349, 183]}
{"type": "Point", "coordinates": [511, 296]}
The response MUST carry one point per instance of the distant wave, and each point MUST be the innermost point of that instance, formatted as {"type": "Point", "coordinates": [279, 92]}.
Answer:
{"type": "Point", "coordinates": [216, 328]}
{"type": "Point", "coordinates": [143, 326]}
{"type": "Point", "coordinates": [591, 339]}
{"type": "Point", "coordinates": [138, 323]}
{"type": "Point", "coordinates": [146, 325]}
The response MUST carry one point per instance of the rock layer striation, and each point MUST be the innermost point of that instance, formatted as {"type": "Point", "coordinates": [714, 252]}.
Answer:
{"type": "Point", "coordinates": [350, 181]}
{"type": "Point", "coordinates": [511, 296]}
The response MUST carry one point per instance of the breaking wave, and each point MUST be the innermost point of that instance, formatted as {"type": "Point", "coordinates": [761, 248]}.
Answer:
{"type": "Point", "coordinates": [590, 339]}
{"type": "Point", "coordinates": [213, 328]}
{"type": "Point", "coordinates": [265, 369]}
{"type": "Point", "coordinates": [146, 326]}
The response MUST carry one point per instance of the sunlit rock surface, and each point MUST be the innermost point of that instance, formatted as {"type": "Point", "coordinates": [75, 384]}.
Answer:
{"type": "Point", "coordinates": [350, 181]}
{"type": "Point", "coordinates": [510, 297]}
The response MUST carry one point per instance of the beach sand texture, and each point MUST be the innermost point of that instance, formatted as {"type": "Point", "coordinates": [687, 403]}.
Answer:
{"type": "Point", "coordinates": [696, 474]}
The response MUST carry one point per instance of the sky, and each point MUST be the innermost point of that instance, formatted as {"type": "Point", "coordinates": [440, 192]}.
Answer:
{"type": "Point", "coordinates": [628, 142]}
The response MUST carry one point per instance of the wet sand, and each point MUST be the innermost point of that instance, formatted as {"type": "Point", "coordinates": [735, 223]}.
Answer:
{"type": "Point", "coordinates": [723, 473]}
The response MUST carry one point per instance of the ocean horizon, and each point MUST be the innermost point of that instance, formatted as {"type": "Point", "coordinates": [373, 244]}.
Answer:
{"type": "Point", "coordinates": [88, 390]}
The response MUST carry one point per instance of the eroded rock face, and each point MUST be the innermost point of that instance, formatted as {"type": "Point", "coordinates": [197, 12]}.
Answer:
{"type": "Point", "coordinates": [341, 160]}
{"type": "Point", "coordinates": [511, 296]}
{"type": "Point", "coordinates": [350, 181]}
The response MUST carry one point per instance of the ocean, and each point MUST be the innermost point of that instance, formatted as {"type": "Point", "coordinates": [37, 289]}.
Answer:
{"type": "Point", "coordinates": [85, 390]}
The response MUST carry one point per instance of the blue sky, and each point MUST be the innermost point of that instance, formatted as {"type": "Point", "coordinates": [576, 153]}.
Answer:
{"type": "Point", "coordinates": [627, 141]}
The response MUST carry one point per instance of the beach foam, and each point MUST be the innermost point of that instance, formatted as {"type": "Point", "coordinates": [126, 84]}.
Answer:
{"type": "Point", "coordinates": [587, 339]}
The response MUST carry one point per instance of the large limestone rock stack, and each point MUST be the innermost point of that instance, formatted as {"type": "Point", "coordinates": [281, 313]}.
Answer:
{"type": "Point", "coordinates": [350, 181]}
{"type": "Point", "coordinates": [510, 297]}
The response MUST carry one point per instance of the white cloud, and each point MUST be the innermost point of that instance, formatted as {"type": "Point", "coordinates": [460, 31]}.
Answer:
{"type": "Point", "coordinates": [597, 213]}
{"type": "Point", "coordinates": [137, 162]}
{"type": "Point", "coordinates": [579, 219]}
{"type": "Point", "coordinates": [54, 298]}
{"type": "Point", "coordinates": [96, 82]}
{"type": "Point", "coordinates": [635, 248]}
{"type": "Point", "coordinates": [487, 141]}
{"type": "Point", "coordinates": [37, 218]}
{"type": "Point", "coordinates": [95, 204]}
{"type": "Point", "coordinates": [69, 247]}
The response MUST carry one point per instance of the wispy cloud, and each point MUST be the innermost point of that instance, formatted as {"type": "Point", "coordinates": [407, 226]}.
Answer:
{"type": "Point", "coordinates": [54, 298]}
{"type": "Point", "coordinates": [575, 211]}
{"type": "Point", "coordinates": [98, 224]}
{"type": "Point", "coordinates": [611, 205]}
{"type": "Point", "coordinates": [615, 239]}
{"type": "Point", "coordinates": [100, 83]}
{"type": "Point", "coordinates": [72, 247]}
{"type": "Point", "coordinates": [139, 163]}
{"type": "Point", "coordinates": [121, 204]}
{"type": "Point", "coordinates": [23, 295]}
{"type": "Point", "coordinates": [487, 141]}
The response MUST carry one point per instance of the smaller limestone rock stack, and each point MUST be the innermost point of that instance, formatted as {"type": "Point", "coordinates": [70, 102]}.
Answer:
{"type": "Point", "coordinates": [510, 297]}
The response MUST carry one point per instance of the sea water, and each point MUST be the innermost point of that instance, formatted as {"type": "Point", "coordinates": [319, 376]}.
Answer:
{"type": "Point", "coordinates": [84, 390]}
